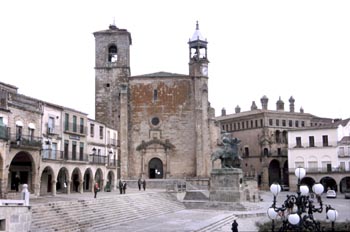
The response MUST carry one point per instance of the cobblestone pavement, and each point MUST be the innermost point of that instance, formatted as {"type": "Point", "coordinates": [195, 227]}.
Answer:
{"type": "Point", "coordinates": [201, 220]}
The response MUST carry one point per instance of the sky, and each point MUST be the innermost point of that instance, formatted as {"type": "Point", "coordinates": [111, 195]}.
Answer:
{"type": "Point", "coordinates": [255, 48]}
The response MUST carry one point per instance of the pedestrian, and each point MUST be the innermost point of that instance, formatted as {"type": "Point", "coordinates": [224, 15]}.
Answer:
{"type": "Point", "coordinates": [120, 186]}
{"type": "Point", "coordinates": [17, 182]}
{"type": "Point", "coordinates": [124, 186]}
{"type": "Point", "coordinates": [234, 226]}
{"type": "Point", "coordinates": [96, 189]}
{"type": "Point", "coordinates": [144, 184]}
{"type": "Point", "coordinates": [139, 182]}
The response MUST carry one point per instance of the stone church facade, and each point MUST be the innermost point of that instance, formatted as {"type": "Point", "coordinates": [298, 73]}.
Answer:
{"type": "Point", "coordinates": [164, 120]}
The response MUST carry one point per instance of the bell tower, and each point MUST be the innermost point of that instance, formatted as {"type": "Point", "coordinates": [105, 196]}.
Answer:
{"type": "Point", "coordinates": [198, 54]}
{"type": "Point", "coordinates": [112, 72]}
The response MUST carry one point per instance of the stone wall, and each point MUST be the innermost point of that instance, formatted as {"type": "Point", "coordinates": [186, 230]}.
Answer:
{"type": "Point", "coordinates": [15, 218]}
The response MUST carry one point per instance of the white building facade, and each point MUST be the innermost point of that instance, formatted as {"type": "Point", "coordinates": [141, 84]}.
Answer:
{"type": "Point", "coordinates": [324, 152]}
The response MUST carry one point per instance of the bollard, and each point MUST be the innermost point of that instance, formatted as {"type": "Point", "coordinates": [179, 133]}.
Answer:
{"type": "Point", "coordinates": [25, 194]}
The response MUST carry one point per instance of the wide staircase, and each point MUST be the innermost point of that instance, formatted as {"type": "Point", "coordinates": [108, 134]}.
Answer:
{"type": "Point", "coordinates": [104, 213]}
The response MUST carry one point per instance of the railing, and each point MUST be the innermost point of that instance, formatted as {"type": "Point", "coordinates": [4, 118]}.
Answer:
{"type": "Point", "coordinates": [113, 142]}
{"type": "Point", "coordinates": [98, 159]}
{"type": "Point", "coordinates": [48, 154]}
{"type": "Point", "coordinates": [75, 128]}
{"type": "Point", "coordinates": [25, 140]}
{"type": "Point", "coordinates": [323, 170]}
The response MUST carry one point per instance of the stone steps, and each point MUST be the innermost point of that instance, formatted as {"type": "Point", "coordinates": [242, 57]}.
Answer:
{"type": "Point", "coordinates": [102, 213]}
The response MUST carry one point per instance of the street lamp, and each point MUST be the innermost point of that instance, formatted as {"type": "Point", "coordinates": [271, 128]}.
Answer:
{"type": "Point", "coordinates": [296, 213]}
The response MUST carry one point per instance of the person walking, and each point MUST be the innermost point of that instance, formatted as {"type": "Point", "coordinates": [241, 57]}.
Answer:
{"type": "Point", "coordinates": [120, 186]}
{"type": "Point", "coordinates": [144, 185]}
{"type": "Point", "coordinates": [124, 186]}
{"type": "Point", "coordinates": [234, 226]}
{"type": "Point", "coordinates": [96, 189]}
{"type": "Point", "coordinates": [139, 182]}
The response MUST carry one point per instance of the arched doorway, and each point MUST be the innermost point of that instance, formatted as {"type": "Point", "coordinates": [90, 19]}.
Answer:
{"type": "Point", "coordinates": [76, 177]}
{"type": "Point", "coordinates": [47, 177]}
{"type": "Point", "coordinates": [308, 181]}
{"type": "Point", "coordinates": [62, 181]}
{"type": "Point", "coordinates": [345, 184]}
{"type": "Point", "coordinates": [22, 167]}
{"type": "Point", "coordinates": [329, 183]}
{"type": "Point", "coordinates": [110, 181]}
{"type": "Point", "coordinates": [155, 169]}
{"type": "Point", "coordinates": [274, 172]}
{"type": "Point", "coordinates": [99, 178]}
{"type": "Point", "coordinates": [88, 180]}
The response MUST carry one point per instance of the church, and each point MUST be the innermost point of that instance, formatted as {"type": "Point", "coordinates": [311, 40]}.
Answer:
{"type": "Point", "coordinates": [165, 124]}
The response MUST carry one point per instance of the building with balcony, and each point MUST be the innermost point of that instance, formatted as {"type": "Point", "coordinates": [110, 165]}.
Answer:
{"type": "Point", "coordinates": [264, 138]}
{"type": "Point", "coordinates": [324, 152]}
{"type": "Point", "coordinates": [50, 148]}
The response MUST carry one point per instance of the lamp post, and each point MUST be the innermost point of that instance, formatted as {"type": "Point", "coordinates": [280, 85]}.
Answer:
{"type": "Point", "coordinates": [296, 213]}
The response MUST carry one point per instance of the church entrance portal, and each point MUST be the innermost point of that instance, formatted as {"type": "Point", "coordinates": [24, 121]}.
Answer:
{"type": "Point", "coordinates": [155, 169]}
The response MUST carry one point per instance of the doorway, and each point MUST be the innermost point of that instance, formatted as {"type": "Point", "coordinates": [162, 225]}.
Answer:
{"type": "Point", "coordinates": [156, 169]}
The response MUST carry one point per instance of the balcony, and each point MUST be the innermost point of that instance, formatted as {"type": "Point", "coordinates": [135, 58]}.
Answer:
{"type": "Point", "coordinates": [25, 141]}
{"type": "Point", "coordinates": [75, 129]}
{"type": "Point", "coordinates": [113, 142]}
{"type": "Point", "coordinates": [323, 170]}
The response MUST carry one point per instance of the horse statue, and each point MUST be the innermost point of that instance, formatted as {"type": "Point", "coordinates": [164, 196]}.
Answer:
{"type": "Point", "coordinates": [228, 154]}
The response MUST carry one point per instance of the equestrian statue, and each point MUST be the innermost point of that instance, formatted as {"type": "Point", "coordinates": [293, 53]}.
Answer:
{"type": "Point", "coordinates": [228, 153]}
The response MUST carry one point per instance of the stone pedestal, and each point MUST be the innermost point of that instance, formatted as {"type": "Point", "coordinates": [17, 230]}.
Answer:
{"type": "Point", "coordinates": [225, 185]}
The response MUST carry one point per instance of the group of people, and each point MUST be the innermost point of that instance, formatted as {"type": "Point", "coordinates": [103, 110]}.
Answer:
{"type": "Point", "coordinates": [141, 183]}
{"type": "Point", "coordinates": [122, 186]}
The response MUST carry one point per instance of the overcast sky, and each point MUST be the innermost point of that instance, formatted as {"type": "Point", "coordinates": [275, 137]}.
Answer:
{"type": "Point", "coordinates": [255, 48]}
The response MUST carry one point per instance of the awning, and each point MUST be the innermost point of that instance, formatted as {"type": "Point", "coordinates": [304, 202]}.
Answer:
{"type": "Point", "coordinates": [19, 123]}
{"type": "Point", "coordinates": [31, 125]}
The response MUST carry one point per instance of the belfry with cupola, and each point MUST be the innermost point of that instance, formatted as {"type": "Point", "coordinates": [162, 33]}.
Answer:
{"type": "Point", "coordinates": [164, 120]}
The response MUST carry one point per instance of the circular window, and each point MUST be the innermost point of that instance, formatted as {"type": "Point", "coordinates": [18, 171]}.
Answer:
{"type": "Point", "coordinates": [155, 121]}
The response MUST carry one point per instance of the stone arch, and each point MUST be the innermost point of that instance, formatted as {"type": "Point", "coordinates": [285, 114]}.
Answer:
{"type": "Point", "coordinates": [99, 178]}
{"type": "Point", "coordinates": [110, 181]}
{"type": "Point", "coordinates": [76, 181]}
{"type": "Point", "coordinates": [344, 184]}
{"type": "Point", "coordinates": [309, 181]}
{"type": "Point", "coordinates": [155, 168]}
{"type": "Point", "coordinates": [24, 166]}
{"type": "Point", "coordinates": [329, 183]}
{"type": "Point", "coordinates": [88, 180]}
{"type": "Point", "coordinates": [274, 172]}
{"type": "Point", "coordinates": [62, 181]}
{"type": "Point", "coordinates": [47, 181]}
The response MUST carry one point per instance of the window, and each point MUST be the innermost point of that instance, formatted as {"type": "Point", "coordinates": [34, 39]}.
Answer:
{"type": "Point", "coordinates": [66, 147]}
{"type": "Point", "coordinates": [234, 126]}
{"type": "Point", "coordinates": [284, 123]}
{"type": "Point", "coordinates": [155, 95]}
{"type": "Point", "coordinates": [312, 166]}
{"type": "Point", "coordinates": [81, 126]}
{"type": "Point", "coordinates": [256, 123]}
{"type": "Point", "coordinates": [242, 125]}
{"type": "Point", "coordinates": [74, 123]}
{"type": "Point", "coordinates": [66, 122]}
{"type": "Point", "coordinates": [298, 141]}
{"type": "Point", "coordinates": [290, 122]}
{"type": "Point", "coordinates": [325, 140]}
{"type": "Point", "coordinates": [31, 134]}
{"type": "Point", "coordinates": [261, 123]}
{"type": "Point", "coordinates": [18, 133]}
{"type": "Point", "coordinates": [81, 151]}
{"type": "Point", "coordinates": [101, 132]}
{"type": "Point", "coordinates": [270, 122]}
{"type": "Point", "coordinates": [112, 54]}
{"type": "Point", "coordinates": [277, 122]}
{"type": "Point", "coordinates": [74, 150]}
{"type": "Point", "coordinates": [279, 151]}
{"type": "Point", "coordinates": [311, 141]}
{"type": "Point", "coordinates": [92, 130]}
{"type": "Point", "coordinates": [296, 123]}
{"type": "Point", "coordinates": [51, 125]}
{"type": "Point", "coordinates": [246, 151]}
{"type": "Point", "coordinates": [299, 164]}
{"type": "Point", "coordinates": [302, 123]}
{"type": "Point", "coordinates": [251, 124]}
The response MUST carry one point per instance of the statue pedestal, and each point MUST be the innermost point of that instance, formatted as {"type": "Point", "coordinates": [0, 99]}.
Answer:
{"type": "Point", "coordinates": [225, 185]}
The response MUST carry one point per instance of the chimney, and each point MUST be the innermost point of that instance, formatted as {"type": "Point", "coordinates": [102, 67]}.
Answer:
{"type": "Point", "coordinates": [279, 104]}
{"type": "Point", "coordinates": [238, 109]}
{"type": "Point", "coordinates": [253, 107]}
{"type": "Point", "coordinates": [223, 112]}
{"type": "Point", "coordinates": [291, 104]}
{"type": "Point", "coordinates": [264, 100]}
{"type": "Point", "coordinates": [301, 110]}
